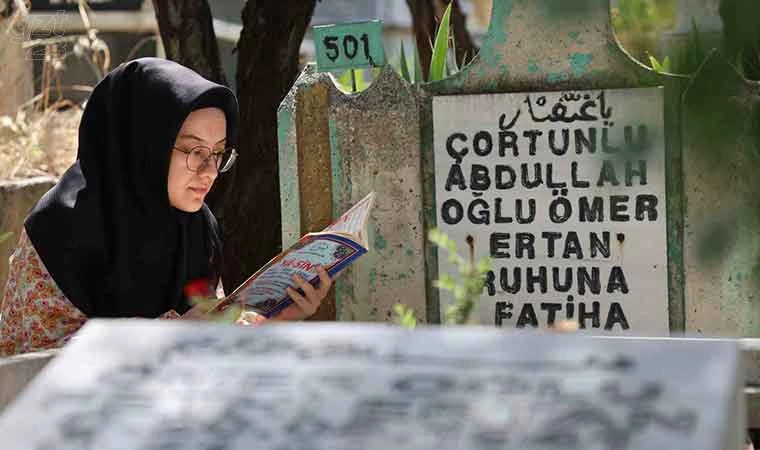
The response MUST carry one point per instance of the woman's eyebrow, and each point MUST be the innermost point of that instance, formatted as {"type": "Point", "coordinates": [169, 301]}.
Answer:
{"type": "Point", "coordinates": [192, 136]}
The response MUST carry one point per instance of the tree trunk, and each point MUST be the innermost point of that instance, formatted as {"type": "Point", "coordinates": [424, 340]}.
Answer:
{"type": "Point", "coordinates": [425, 17]}
{"type": "Point", "coordinates": [423, 23]}
{"type": "Point", "coordinates": [248, 205]}
{"type": "Point", "coordinates": [188, 36]}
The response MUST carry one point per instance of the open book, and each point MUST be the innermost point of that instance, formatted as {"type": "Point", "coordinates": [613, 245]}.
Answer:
{"type": "Point", "coordinates": [334, 248]}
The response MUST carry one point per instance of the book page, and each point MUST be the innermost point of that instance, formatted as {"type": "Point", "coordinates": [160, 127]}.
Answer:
{"type": "Point", "coordinates": [354, 220]}
{"type": "Point", "coordinates": [265, 291]}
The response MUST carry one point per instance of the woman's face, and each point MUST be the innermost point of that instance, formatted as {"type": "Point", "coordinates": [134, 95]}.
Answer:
{"type": "Point", "coordinates": [206, 127]}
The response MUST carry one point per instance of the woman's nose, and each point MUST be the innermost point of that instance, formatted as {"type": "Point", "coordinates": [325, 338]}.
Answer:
{"type": "Point", "coordinates": [208, 169]}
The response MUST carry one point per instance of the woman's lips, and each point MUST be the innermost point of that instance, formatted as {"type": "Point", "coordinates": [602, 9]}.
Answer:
{"type": "Point", "coordinates": [199, 190]}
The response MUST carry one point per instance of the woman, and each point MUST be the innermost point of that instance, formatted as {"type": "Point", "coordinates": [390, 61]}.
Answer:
{"type": "Point", "coordinates": [126, 228]}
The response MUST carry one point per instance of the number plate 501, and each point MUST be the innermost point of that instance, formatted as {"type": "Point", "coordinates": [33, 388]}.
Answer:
{"type": "Point", "coordinates": [349, 46]}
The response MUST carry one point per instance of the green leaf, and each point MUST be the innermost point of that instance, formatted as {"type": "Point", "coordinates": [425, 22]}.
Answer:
{"type": "Point", "coordinates": [740, 63]}
{"type": "Point", "coordinates": [404, 316]}
{"type": "Point", "coordinates": [445, 282]}
{"type": "Point", "coordinates": [361, 82]}
{"type": "Point", "coordinates": [403, 66]}
{"type": "Point", "coordinates": [344, 80]}
{"type": "Point", "coordinates": [656, 66]}
{"type": "Point", "coordinates": [459, 293]}
{"type": "Point", "coordinates": [484, 265]}
{"type": "Point", "coordinates": [451, 315]}
{"type": "Point", "coordinates": [435, 235]}
{"type": "Point", "coordinates": [441, 48]}
{"type": "Point", "coordinates": [697, 49]}
{"type": "Point", "coordinates": [455, 259]}
{"type": "Point", "coordinates": [442, 240]}
{"type": "Point", "coordinates": [418, 77]}
{"type": "Point", "coordinates": [453, 53]}
{"type": "Point", "coordinates": [465, 269]}
{"type": "Point", "coordinates": [468, 289]}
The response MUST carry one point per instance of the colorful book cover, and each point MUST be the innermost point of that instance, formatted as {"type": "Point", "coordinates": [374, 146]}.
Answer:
{"type": "Point", "coordinates": [334, 248]}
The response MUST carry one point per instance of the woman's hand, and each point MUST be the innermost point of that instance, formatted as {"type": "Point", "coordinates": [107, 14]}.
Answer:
{"type": "Point", "coordinates": [250, 318]}
{"type": "Point", "coordinates": [305, 305]}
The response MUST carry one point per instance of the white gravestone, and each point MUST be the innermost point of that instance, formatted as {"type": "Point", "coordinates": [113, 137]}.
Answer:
{"type": "Point", "coordinates": [143, 385]}
{"type": "Point", "coordinates": [566, 192]}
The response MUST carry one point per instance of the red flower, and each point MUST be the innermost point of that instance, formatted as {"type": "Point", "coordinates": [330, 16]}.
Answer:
{"type": "Point", "coordinates": [198, 288]}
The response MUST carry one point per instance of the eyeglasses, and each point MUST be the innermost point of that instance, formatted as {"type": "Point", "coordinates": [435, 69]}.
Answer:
{"type": "Point", "coordinates": [198, 157]}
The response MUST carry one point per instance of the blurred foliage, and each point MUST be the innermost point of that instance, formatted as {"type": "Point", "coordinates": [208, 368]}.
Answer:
{"type": "Point", "coordinates": [346, 84]}
{"type": "Point", "coordinates": [5, 236]}
{"type": "Point", "coordinates": [416, 68]}
{"type": "Point", "coordinates": [686, 58]}
{"type": "Point", "coordinates": [472, 276]}
{"type": "Point", "coordinates": [741, 32]}
{"type": "Point", "coordinates": [404, 316]}
{"type": "Point", "coordinates": [639, 25]}
{"type": "Point", "coordinates": [643, 15]}
{"type": "Point", "coordinates": [465, 286]}
{"type": "Point", "coordinates": [693, 54]}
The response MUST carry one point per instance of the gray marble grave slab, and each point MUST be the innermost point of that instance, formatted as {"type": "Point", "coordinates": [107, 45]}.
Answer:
{"type": "Point", "coordinates": [150, 385]}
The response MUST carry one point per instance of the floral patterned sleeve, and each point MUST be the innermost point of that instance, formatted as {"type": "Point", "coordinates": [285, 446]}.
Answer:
{"type": "Point", "coordinates": [34, 312]}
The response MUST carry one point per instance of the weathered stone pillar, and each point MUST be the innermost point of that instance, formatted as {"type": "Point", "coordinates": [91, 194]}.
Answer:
{"type": "Point", "coordinates": [16, 199]}
{"type": "Point", "coordinates": [16, 79]}
{"type": "Point", "coordinates": [722, 245]}
{"type": "Point", "coordinates": [334, 149]}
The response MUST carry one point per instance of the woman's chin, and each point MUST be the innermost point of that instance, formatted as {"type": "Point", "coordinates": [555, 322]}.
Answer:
{"type": "Point", "coordinates": [189, 206]}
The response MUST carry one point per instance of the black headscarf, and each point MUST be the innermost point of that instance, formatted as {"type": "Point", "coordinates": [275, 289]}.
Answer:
{"type": "Point", "coordinates": [107, 232]}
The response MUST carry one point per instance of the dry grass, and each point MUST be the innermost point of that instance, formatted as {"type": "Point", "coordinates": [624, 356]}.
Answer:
{"type": "Point", "coordinates": [38, 143]}
{"type": "Point", "coordinates": [40, 138]}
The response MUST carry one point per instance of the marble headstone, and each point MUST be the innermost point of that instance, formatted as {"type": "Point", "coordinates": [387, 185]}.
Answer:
{"type": "Point", "coordinates": [147, 385]}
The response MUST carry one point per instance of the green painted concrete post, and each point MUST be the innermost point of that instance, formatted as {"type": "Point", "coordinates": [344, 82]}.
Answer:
{"type": "Point", "coordinates": [335, 148]}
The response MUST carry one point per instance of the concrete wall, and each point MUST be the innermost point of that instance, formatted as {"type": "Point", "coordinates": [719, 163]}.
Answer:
{"type": "Point", "coordinates": [17, 372]}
